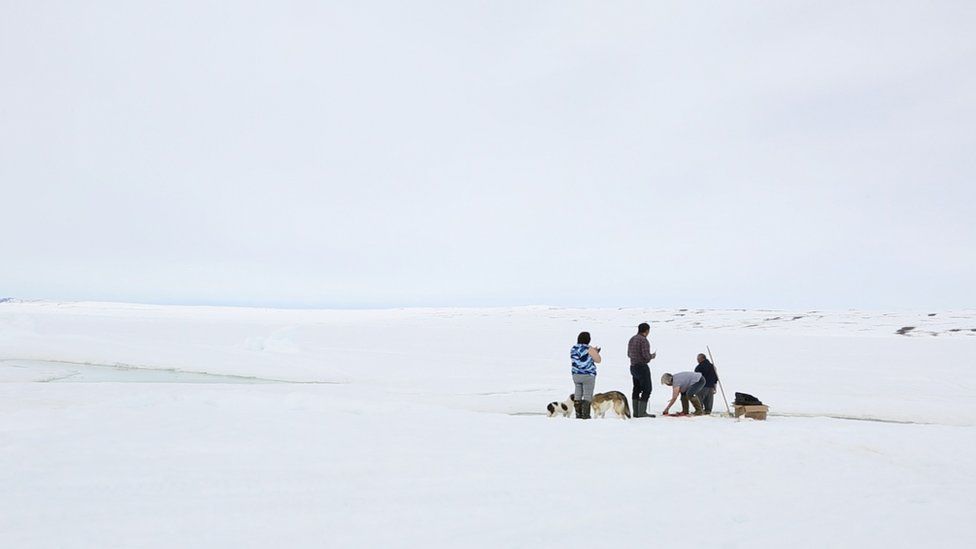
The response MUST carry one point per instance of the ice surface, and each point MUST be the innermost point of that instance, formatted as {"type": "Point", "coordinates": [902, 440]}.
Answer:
{"type": "Point", "coordinates": [424, 427]}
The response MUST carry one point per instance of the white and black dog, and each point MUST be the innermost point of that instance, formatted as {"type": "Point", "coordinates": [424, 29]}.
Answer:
{"type": "Point", "coordinates": [564, 408]}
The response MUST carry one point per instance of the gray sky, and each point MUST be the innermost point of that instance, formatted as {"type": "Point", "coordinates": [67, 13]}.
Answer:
{"type": "Point", "coordinates": [713, 154]}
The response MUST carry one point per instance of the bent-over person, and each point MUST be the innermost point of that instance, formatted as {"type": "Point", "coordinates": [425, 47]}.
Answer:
{"type": "Point", "coordinates": [687, 385]}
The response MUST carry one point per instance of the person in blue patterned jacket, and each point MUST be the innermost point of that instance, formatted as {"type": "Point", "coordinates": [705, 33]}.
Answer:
{"type": "Point", "coordinates": [584, 360]}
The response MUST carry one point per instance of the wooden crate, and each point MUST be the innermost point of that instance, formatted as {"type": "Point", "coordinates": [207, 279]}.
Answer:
{"type": "Point", "coordinates": [754, 412]}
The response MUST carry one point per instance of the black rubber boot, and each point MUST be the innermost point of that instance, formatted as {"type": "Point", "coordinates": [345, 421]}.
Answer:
{"type": "Point", "coordinates": [586, 409]}
{"type": "Point", "coordinates": [578, 406]}
{"type": "Point", "coordinates": [644, 408]}
{"type": "Point", "coordinates": [638, 411]}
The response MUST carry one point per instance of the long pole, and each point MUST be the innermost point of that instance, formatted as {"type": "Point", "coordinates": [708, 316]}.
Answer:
{"type": "Point", "coordinates": [725, 400]}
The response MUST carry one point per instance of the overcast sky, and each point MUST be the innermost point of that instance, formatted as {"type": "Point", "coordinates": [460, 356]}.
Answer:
{"type": "Point", "coordinates": [302, 153]}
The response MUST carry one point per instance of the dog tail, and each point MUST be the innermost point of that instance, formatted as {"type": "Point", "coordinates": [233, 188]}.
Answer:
{"type": "Point", "coordinates": [626, 406]}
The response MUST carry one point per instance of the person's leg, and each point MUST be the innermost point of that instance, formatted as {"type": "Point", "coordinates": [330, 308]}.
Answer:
{"type": "Point", "coordinates": [649, 388]}
{"type": "Point", "coordinates": [706, 398]}
{"type": "Point", "coordinates": [635, 394]}
{"type": "Point", "coordinates": [636, 401]}
{"type": "Point", "coordinates": [578, 395]}
{"type": "Point", "coordinates": [637, 374]}
{"type": "Point", "coordinates": [588, 385]}
{"type": "Point", "coordinates": [645, 379]}
{"type": "Point", "coordinates": [693, 393]}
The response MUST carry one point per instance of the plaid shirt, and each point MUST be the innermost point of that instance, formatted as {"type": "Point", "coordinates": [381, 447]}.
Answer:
{"type": "Point", "coordinates": [639, 350]}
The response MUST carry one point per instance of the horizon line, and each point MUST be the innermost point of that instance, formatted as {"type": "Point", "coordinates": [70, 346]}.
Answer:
{"type": "Point", "coordinates": [389, 307]}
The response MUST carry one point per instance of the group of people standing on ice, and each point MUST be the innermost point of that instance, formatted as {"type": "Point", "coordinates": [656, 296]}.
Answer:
{"type": "Point", "coordinates": [695, 387]}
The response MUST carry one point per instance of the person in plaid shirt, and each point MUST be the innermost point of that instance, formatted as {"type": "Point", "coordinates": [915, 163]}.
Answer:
{"type": "Point", "coordinates": [639, 351]}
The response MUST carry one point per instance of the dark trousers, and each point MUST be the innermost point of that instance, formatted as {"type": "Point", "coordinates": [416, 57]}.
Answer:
{"type": "Point", "coordinates": [707, 396]}
{"type": "Point", "coordinates": [641, 374]}
{"type": "Point", "coordinates": [696, 389]}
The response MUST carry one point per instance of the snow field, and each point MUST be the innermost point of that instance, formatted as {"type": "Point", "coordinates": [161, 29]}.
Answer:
{"type": "Point", "coordinates": [421, 440]}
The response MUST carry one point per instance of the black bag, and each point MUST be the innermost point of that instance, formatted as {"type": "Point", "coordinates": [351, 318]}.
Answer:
{"type": "Point", "coordinates": [743, 399]}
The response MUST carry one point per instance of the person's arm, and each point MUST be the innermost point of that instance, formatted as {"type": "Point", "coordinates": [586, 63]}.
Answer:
{"type": "Point", "coordinates": [595, 353]}
{"type": "Point", "coordinates": [675, 391]}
